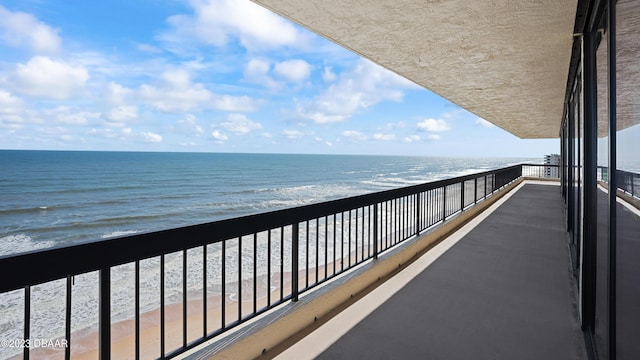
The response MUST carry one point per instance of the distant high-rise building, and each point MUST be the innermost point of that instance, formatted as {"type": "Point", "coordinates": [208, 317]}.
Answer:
{"type": "Point", "coordinates": [551, 171]}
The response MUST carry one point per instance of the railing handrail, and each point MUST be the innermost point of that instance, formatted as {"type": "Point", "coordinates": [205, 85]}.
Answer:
{"type": "Point", "coordinates": [43, 265]}
{"type": "Point", "coordinates": [626, 181]}
{"type": "Point", "coordinates": [549, 165]}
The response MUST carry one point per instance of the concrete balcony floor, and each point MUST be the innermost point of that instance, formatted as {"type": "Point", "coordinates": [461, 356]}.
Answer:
{"type": "Point", "coordinates": [499, 288]}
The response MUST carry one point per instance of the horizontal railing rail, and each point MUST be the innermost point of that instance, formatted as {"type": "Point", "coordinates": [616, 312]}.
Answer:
{"type": "Point", "coordinates": [239, 268]}
{"type": "Point", "coordinates": [544, 171]}
{"type": "Point", "coordinates": [627, 181]}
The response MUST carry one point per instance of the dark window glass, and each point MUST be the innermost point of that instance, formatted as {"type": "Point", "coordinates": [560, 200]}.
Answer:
{"type": "Point", "coordinates": [602, 204]}
{"type": "Point", "coordinates": [628, 172]}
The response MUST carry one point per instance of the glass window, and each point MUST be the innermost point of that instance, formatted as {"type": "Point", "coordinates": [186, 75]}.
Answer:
{"type": "Point", "coordinates": [601, 328]}
{"type": "Point", "coordinates": [628, 182]}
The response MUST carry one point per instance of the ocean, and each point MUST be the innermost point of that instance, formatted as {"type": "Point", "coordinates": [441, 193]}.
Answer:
{"type": "Point", "coordinates": [52, 198]}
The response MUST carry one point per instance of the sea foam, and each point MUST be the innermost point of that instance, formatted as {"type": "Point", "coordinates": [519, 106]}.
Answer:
{"type": "Point", "coordinates": [13, 244]}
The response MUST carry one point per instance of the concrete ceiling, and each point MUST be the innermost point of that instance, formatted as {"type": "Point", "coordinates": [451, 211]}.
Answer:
{"type": "Point", "coordinates": [507, 61]}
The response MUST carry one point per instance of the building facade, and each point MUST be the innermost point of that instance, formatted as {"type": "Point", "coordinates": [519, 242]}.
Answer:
{"type": "Point", "coordinates": [552, 171]}
{"type": "Point", "coordinates": [600, 134]}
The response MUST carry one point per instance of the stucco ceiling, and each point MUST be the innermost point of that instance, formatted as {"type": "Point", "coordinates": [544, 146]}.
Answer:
{"type": "Point", "coordinates": [506, 61]}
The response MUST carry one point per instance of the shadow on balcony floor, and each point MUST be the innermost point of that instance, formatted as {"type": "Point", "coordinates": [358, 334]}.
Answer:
{"type": "Point", "coordinates": [503, 291]}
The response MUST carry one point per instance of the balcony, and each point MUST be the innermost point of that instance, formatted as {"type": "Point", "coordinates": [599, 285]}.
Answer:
{"type": "Point", "coordinates": [500, 285]}
{"type": "Point", "coordinates": [499, 288]}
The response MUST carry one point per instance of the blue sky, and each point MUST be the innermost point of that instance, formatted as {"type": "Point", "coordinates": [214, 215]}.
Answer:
{"type": "Point", "coordinates": [213, 76]}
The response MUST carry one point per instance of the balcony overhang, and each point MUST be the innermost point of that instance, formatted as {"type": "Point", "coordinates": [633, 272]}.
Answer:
{"type": "Point", "coordinates": [505, 61]}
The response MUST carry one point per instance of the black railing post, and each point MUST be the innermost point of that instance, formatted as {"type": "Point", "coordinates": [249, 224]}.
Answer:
{"type": "Point", "coordinates": [375, 231]}
{"type": "Point", "coordinates": [137, 309]}
{"type": "Point", "coordinates": [462, 189]}
{"type": "Point", "coordinates": [27, 320]}
{"type": "Point", "coordinates": [104, 342]}
{"type": "Point", "coordinates": [295, 261]}
{"type": "Point", "coordinates": [255, 273]}
{"type": "Point", "coordinates": [162, 310]}
{"type": "Point", "coordinates": [417, 205]}
{"type": "Point", "coordinates": [67, 319]}
{"type": "Point", "coordinates": [475, 190]}
{"type": "Point", "coordinates": [185, 266]}
{"type": "Point", "coordinates": [444, 203]}
{"type": "Point", "coordinates": [494, 178]}
{"type": "Point", "coordinates": [239, 294]}
{"type": "Point", "coordinates": [204, 292]}
{"type": "Point", "coordinates": [485, 187]}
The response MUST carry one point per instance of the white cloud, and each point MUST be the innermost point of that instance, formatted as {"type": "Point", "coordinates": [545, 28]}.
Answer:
{"type": "Point", "coordinates": [151, 137]}
{"type": "Point", "coordinates": [292, 134]}
{"type": "Point", "coordinates": [216, 22]}
{"type": "Point", "coordinates": [233, 103]}
{"type": "Point", "coordinates": [411, 138]}
{"type": "Point", "coordinates": [177, 93]}
{"type": "Point", "coordinates": [240, 124]}
{"type": "Point", "coordinates": [117, 94]}
{"type": "Point", "coordinates": [122, 113]}
{"type": "Point", "coordinates": [149, 48]}
{"type": "Point", "coordinates": [77, 118]}
{"type": "Point", "coordinates": [190, 124]}
{"type": "Point", "coordinates": [67, 116]}
{"type": "Point", "coordinates": [393, 126]}
{"type": "Point", "coordinates": [295, 70]}
{"type": "Point", "coordinates": [321, 140]}
{"type": "Point", "coordinates": [105, 133]}
{"type": "Point", "coordinates": [117, 98]}
{"type": "Point", "coordinates": [20, 29]}
{"type": "Point", "coordinates": [256, 68]}
{"type": "Point", "coordinates": [257, 71]}
{"type": "Point", "coordinates": [434, 125]}
{"type": "Point", "coordinates": [11, 111]}
{"type": "Point", "coordinates": [44, 77]}
{"type": "Point", "coordinates": [354, 135]}
{"type": "Point", "coordinates": [219, 136]}
{"type": "Point", "coordinates": [67, 137]}
{"type": "Point", "coordinates": [433, 137]}
{"type": "Point", "coordinates": [365, 85]}
{"type": "Point", "coordinates": [484, 123]}
{"type": "Point", "coordinates": [320, 117]}
{"type": "Point", "coordinates": [384, 137]}
{"type": "Point", "coordinates": [10, 104]}
{"type": "Point", "coordinates": [328, 75]}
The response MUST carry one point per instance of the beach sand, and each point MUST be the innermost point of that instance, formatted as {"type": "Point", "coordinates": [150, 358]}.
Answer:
{"type": "Point", "coordinates": [84, 343]}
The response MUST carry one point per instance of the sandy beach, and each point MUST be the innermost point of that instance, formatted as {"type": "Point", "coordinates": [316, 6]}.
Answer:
{"type": "Point", "coordinates": [84, 343]}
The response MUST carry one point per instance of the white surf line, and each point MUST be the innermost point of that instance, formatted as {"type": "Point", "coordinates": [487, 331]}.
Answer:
{"type": "Point", "coordinates": [326, 335]}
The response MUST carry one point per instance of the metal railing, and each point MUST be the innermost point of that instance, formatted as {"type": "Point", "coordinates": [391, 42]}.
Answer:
{"type": "Point", "coordinates": [226, 272]}
{"type": "Point", "coordinates": [543, 171]}
{"type": "Point", "coordinates": [629, 182]}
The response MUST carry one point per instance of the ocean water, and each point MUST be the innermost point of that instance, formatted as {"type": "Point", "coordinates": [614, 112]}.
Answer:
{"type": "Point", "coordinates": [50, 198]}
